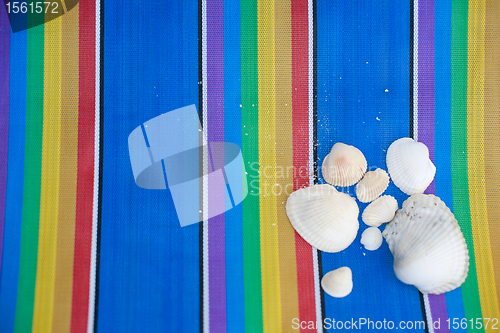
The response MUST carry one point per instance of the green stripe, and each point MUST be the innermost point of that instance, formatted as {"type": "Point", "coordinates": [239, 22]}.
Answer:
{"type": "Point", "coordinates": [32, 182]}
{"type": "Point", "coordinates": [459, 22]}
{"type": "Point", "coordinates": [250, 151]}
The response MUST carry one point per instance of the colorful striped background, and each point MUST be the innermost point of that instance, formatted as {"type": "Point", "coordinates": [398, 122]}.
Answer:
{"type": "Point", "coordinates": [457, 111]}
{"type": "Point", "coordinates": [47, 173]}
{"type": "Point", "coordinates": [284, 80]}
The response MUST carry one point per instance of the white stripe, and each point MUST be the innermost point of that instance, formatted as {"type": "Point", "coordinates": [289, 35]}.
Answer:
{"type": "Point", "coordinates": [415, 70]}
{"type": "Point", "coordinates": [204, 82]}
{"type": "Point", "coordinates": [97, 140]}
{"type": "Point", "coordinates": [428, 314]}
{"type": "Point", "coordinates": [317, 292]}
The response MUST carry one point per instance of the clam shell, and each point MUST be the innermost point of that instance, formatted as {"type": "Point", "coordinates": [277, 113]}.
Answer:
{"type": "Point", "coordinates": [338, 283]}
{"type": "Point", "coordinates": [325, 218]}
{"type": "Point", "coordinates": [344, 166]}
{"type": "Point", "coordinates": [380, 211]}
{"type": "Point", "coordinates": [428, 247]}
{"type": "Point", "coordinates": [409, 165]}
{"type": "Point", "coordinates": [373, 184]}
{"type": "Point", "coordinates": [371, 238]}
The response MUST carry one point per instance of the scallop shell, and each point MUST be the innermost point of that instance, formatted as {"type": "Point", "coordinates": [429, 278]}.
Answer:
{"type": "Point", "coordinates": [338, 283]}
{"type": "Point", "coordinates": [325, 218]}
{"type": "Point", "coordinates": [371, 238]}
{"type": "Point", "coordinates": [380, 211]}
{"type": "Point", "coordinates": [428, 247]}
{"type": "Point", "coordinates": [373, 184]}
{"type": "Point", "coordinates": [344, 166]}
{"type": "Point", "coordinates": [409, 165]}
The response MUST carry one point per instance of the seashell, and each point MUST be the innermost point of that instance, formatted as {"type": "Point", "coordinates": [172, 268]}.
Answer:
{"type": "Point", "coordinates": [338, 283]}
{"type": "Point", "coordinates": [428, 247]}
{"type": "Point", "coordinates": [371, 238]}
{"type": "Point", "coordinates": [344, 166]}
{"type": "Point", "coordinates": [373, 184]}
{"type": "Point", "coordinates": [326, 218]}
{"type": "Point", "coordinates": [380, 211]}
{"type": "Point", "coordinates": [409, 165]}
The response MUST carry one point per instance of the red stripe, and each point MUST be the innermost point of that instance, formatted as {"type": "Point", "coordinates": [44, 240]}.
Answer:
{"type": "Point", "coordinates": [300, 116]}
{"type": "Point", "coordinates": [85, 182]}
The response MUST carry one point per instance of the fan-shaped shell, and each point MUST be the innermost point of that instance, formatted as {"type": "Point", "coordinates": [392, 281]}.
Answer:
{"type": "Point", "coordinates": [409, 165]}
{"type": "Point", "coordinates": [428, 247]}
{"type": "Point", "coordinates": [325, 218]}
{"type": "Point", "coordinates": [373, 184]}
{"type": "Point", "coordinates": [344, 166]}
{"type": "Point", "coordinates": [380, 211]}
{"type": "Point", "coordinates": [371, 238]}
{"type": "Point", "coordinates": [338, 283]}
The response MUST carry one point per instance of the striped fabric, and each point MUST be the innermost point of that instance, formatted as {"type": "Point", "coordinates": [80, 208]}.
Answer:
{"type": "Point", "coordinates": [456, 112]}
{"type": "Point", "coordinates": [83, 249]}
{"type": "Point", "coordinates": [48, 120]}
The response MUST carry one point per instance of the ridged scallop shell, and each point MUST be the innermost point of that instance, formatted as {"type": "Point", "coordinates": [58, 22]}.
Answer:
{"type": "Point", "coordinates": [325, 218]}
{"type": "Point", "coordinates": [409, 165]}
{"type": "Point", "coordinates": [373, 184]}
{"type": "Point", "coordinates": [344, 166]}
{"type": "Point", "coordinates": [338, 283]}
{"type": "Point", "coordinates": [380, 211]}
{"type": "Point", "coordinates": [428, 246]}
{"type": "Point", "coordinates": [371, 238]}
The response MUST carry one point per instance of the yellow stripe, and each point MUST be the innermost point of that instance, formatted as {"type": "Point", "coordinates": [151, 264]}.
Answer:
{"type": "Point", "coordinates": [491, 128]}
{"type": "Point", "coordinates": [68, 170]}
{"type": "Point", "coordinates": [49, 200]}
{"type": "Point", "coordinates": [271, 302]}
{"type": "Point", "coordinates": [284, 161]}
{"type": "Point", "coordinates": [475, 150]}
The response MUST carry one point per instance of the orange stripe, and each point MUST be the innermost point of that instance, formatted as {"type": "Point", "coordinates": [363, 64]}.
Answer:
{"type": "Point", "coordinates": [68, 171]}
{"type": "Point", "coordinates": [284, 161]}
{"type": "Point", "coordinates": [492, 129]}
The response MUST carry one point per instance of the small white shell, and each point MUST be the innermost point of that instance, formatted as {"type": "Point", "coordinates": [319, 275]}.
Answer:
{"type": "Point", "coordinates": [373, 184]}
{"type": "Point", "coordinates": [344, 166]}
{"type": "Point", "coordinates": [371, 238]}
{"type": "Point", "coordinates": [380, 211]}
{"type": "Point", "coordinates": [409, 165]}
{"type": "Point", "coordinates": [338, 283]}
{"type": "Point", "coordinates": [428, 247]}
{"type": "Point", "coordinates": [325, 218]}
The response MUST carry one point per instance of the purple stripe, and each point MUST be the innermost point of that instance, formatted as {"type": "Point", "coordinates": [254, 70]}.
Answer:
{"type": "Point", "coordinates": [216, 194]}
{"type": "Point", "coordinates": [426, 111]}
{"type": "Point", "coordinates": [4, 116]}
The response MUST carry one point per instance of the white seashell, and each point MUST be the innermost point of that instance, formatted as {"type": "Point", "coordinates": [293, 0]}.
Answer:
{"type": "Point", "coordinates": [325, 218]}
{"type": "Point", "coordinates": [428, 247]}
{"type": "Point", "coordinates": [338, 283]}
{"type": "Point", "coordinates": [409, 165]}
{"type": "Point", "coordinates": [373, 184]}
{"type": "Point", "coordinates": [380, 211]}
{"type": "Point", "coordinates": [371, 238]}
{"type": "Point", "coordinates": [344, 166]}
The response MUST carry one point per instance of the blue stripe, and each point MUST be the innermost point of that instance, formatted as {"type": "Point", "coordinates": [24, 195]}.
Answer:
{"type": "Point", "coordinates": [235, 313]}
{"type": "Point", "coordinates": [442, 117]}
{"type": "Point", "coordinates": [15, 179]}
{"type": "Point", "coordinates": [149, 265]}
{"type": "Point", "coordinates": [363, 100]}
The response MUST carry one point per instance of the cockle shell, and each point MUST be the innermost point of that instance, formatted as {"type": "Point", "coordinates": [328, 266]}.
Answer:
{"type": "Point", "coordinates": [380, 211]}
{"type": "Point", "coordinates": [371, 238]}
{"type": "Point", "coordinates": [428, 247]}
{"type": "Point", "coordinates": [373, 184]}
{"type": "Point", "coordinates": [409, 165]}
{"type": "Point", "coordinates": [344, 166]}
{"type": "Point", "coordinates": [326, 218]}
{"type": "Point", "coordinates": [338, 283]}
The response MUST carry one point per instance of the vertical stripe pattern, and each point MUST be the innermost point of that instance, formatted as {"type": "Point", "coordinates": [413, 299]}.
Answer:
{"type": "Point", "coordinates": [45, 282]}
{"type": "Point", "coordinates": [465, 153]}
